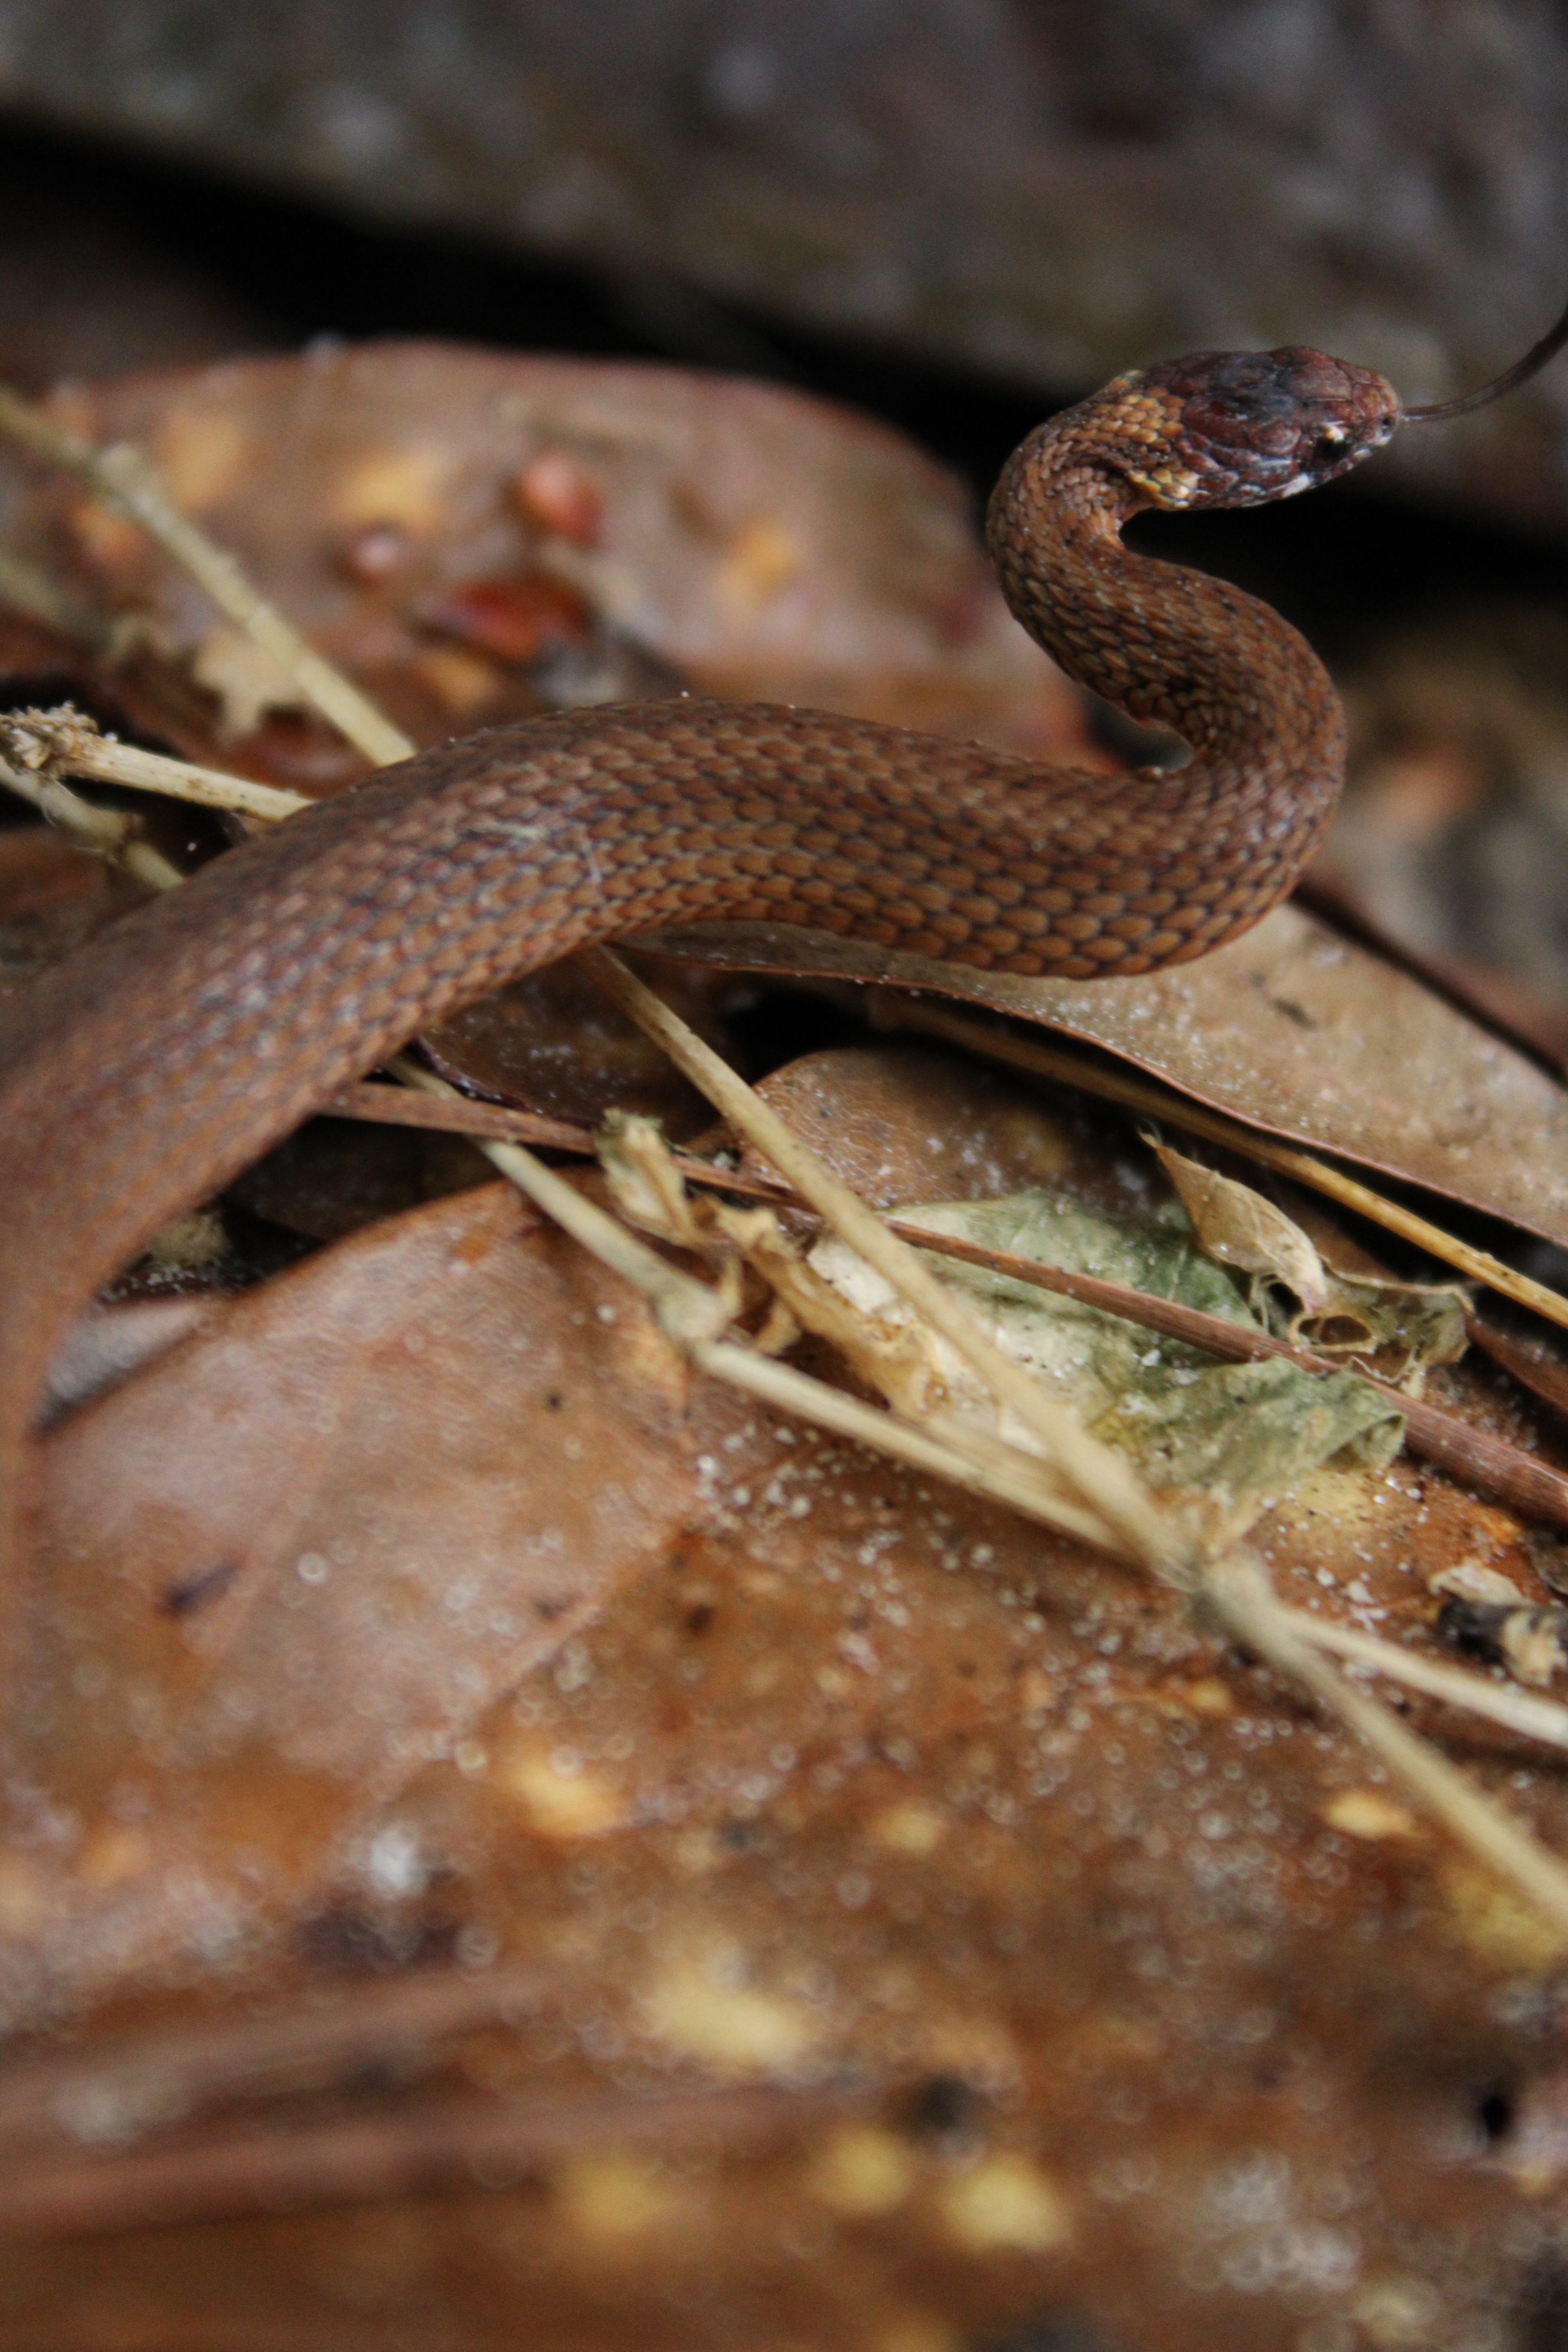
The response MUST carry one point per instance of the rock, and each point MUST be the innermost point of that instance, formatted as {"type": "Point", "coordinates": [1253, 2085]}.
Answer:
{"type": "Point", "coordinates": [1015, 186]}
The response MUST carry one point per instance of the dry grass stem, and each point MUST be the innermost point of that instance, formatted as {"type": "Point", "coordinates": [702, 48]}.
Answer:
{"type": "Point", "coordinates": [129, 480]}
{"type": "Point", "coordinates": [39, 598]}
{"type": "Point", "coordinates": [1150, 1101]}
{"type": "Point", "coordinates": [962, 1459]}
{"type": "Point", "coordinates": [62, 742]}
{"type": "Point", "coordinates": [686, 1311]}
{"type": "Point", "coordinates": [160, 2074]}
{"type": "Point", "coordinates": [1516, 1710]}
{"type": "Point", "coordinates": [103, 832]}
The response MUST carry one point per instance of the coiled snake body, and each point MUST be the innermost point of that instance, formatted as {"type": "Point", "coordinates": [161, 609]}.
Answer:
{"type": "Point", "coordinates": [147, 1070]}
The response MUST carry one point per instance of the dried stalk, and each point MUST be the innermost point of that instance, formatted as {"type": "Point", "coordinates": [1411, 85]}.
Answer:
{"type": "Point", "coordinates": [1516, 1710]}
{"type": "Point", "coordinates": [999, 1045]}
{"type": "Point", "coordinates": [63, 742]}
{"type": "Point", "coordinates": [127, 477]}
{"type": "Point", "coordinates": [687, 1311]}
{"type": "Point", "coordinates": [103, 832]}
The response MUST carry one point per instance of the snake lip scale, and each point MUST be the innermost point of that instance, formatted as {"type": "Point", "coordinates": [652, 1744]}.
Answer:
{"type": "Point", "coordinates": [145, 1071]}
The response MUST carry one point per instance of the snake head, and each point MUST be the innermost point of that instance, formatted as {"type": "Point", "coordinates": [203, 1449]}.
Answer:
{"type": "Point", "coordinates": [1240, 428]}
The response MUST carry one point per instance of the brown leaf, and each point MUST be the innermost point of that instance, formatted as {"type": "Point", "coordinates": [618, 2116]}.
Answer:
{"type": "Point", "coordinates": [751, 541]}
{"type": "Point", "coordinates": [53, 897]}
{"type": "Point", "coordinates": [554, 1043]}
{"type": "Point", "coordinates": [1238, 1227]}
{"type": "Point", "coordinates": [304, 1550]}
{"type": "Point", "coordinates": [1292, 1029]}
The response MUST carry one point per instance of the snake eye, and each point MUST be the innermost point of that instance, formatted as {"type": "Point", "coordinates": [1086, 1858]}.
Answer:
{"type": "Point", "coordinates": [1330, 443]}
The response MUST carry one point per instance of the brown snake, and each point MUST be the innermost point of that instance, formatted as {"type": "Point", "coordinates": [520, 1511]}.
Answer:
{"type": "Point", "coordinates": [144, 1072]}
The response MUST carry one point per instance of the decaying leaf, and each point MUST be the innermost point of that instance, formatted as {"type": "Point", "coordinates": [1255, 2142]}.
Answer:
{"type": "Point", "coordinates": [302, 1551]}
{"type": "Point", "coordinates": [1227, 1436]}
{"type": "Point", "coordinates": [1403, 1328]}
{"type": "Point", "coordinates": [1236, 1227]}
{"type": "Point", "coordinates": [1406, 1326]}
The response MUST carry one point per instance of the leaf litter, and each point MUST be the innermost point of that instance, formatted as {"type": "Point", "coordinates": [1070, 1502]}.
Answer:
{"type": "Point", "coordinates": [495, 1832]}
{"type": "Point", "coordinates": [1229, 1436]}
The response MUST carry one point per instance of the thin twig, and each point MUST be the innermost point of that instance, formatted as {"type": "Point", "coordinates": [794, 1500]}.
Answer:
{"type": "Point", "coordinates": [686, 1311]}
{"type": "Point", "coordinates": [128, 480]}
{"type": "Point", "coordinates": [111, 2090]}
{"type": "Point", "coordinates": [999, 1045]}
{"type": "Point", "coordinates": [103, 832]}
{"type": "Point", "coordinates": [1505, 1703]}
{"type": "Point", "coordinates": [63, 742]}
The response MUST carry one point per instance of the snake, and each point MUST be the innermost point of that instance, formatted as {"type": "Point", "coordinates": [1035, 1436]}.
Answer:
{"type": "Point", "coordinates": [145, 1071]}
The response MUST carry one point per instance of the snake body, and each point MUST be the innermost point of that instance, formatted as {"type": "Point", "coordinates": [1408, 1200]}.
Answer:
{"type": "Point", "coordinates": [144, 1072]}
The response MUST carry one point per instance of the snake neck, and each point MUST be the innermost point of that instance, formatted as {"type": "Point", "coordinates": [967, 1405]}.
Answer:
{"type": "Point", "coordinates": [1169, 645]}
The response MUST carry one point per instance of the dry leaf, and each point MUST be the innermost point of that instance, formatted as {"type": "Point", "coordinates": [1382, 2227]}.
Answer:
{"type": "Point", "coordinates": [752, 542]}
{"type": "Point", "coordinates": [1293, 1030]}
{"type": "Point", "coordinates": [1406, 1326]}
{"type": "Point", "coordinates": [1236, 1227]}
{"type": "Point", "coordinates": [248, 680]}
{"type": "Point", "coordinates": [1223, 1439]}
{"type": "Point", "coordinates": [305, 1549]}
